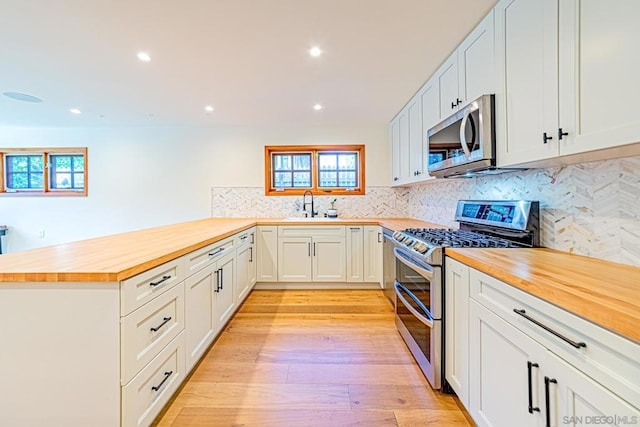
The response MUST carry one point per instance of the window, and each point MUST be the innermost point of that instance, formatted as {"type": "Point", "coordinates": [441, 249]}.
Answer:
{"type": "Point", "coordinates": [335, 169]}
{"type": "Point", "coordinates": [43, 171]}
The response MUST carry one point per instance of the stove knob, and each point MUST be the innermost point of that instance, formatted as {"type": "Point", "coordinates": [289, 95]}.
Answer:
{"type": "Point", "coordinates": [408, 241]}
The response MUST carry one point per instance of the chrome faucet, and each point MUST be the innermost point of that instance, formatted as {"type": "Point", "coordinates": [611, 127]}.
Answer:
{"type": "Point", "coordinates": [304, 203]}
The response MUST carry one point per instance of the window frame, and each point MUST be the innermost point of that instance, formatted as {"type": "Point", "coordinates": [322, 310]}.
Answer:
{"type": "Point", "coordinates": [271, 190]}
{"type": "Point", "coordinates": [47, 189]}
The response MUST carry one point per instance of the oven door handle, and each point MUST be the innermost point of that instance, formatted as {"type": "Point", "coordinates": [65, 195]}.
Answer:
{"type": "Point", "coordinates": [406, 260]}
{"type": "Point", "coordinates": [428, 319]}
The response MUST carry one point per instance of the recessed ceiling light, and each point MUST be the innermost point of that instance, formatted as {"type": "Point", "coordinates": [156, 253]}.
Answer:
{"type": "Point", "coordinates": [209, 108]}
{"type": "Point", "coordinates": [75, 111]}
{"type": "Point", "coordinates": [315, 51]}
{"type": "Point", "coordinates": [144, 56]}
{"type": "Point", "coordinates": [317, 107]}
{"type": "Point", "coordinates": [22, 97]}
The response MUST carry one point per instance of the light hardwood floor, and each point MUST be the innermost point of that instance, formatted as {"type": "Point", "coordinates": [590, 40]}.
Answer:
{"type": "Point", "coordinates": [311, 358]}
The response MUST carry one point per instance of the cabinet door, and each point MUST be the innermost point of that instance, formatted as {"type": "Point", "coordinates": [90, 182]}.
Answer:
{"type": "Point", "coordinates": [498, 380]}
{"type": "Point", "coordinates": [476, 56]}
{"type": "Point", "coordinates": [405, 167]}
{"type": "Point", "coordinates": [447, 78]}
{"type": "Point", "coordinates": [457, 328]}
{"type": "Point", "coordinates": [294, 259]}
{"type": "Point", "coordinates": [253, 270]}
{"type": "Point", "coordinates": [394, 138]}
{"type": "Point", "coordinates": [224, 300]}
{"type": "Point", "coordinates": [355, 254]}
{"type": "Point", "coordinates": [415, 138]}
{"type": "Point", "coordinates": [599, 68]}
{"type": "Point", "coordinates": [373, 254]}
{"type": "Point", "coordinates": [200, 318]}
{"type": "Point", "coordinates": [242, 269]}
{"type": "Point", "coordinates": [329, 259]}
{"type": "Point", "coordinates": [575, 399]}
{"type": "Point", "coordinates": [527, 68]}
{"type": "Point", "coordinates": [430, 107]}
{"type": "Point", "coordinates": [267, 253]}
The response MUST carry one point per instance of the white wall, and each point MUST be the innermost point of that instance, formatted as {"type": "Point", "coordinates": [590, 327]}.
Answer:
{"type": "Point", "coordinates": [148, 176]}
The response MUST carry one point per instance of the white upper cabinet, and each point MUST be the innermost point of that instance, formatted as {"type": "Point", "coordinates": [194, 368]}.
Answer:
{"type": "Point", "coordinates": [527, 98]}
{"type": "Point", "coordinates": [599, 68]}
{"type": "Point", "coordinates": [447, 79]}
{"type": "Point", "coordinates": [567, 73]}
{"type": "Point", "coordinates": [476, 59]}
{"type": "Point", "coordinates": [463, 77]}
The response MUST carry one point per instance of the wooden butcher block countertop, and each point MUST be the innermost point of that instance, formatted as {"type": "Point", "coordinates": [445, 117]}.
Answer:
{"type": "Point", "coordinates": [120, 256]}
{"type": "Point", "coordinates": [603, 292]}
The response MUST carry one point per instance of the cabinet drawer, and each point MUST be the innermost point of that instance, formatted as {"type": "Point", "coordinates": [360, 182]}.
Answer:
{"type": "Point", "coordinates": [149, 329]}
{"type": "Point", "coordinates": [607, 357]}
{"type": "Point", "coordinates": [140, 289]}
{"type": "Point", "coordinates": [203, 257]}
{"type": "Point", "coordinates": [306, 231]}
{"type": "Point", "coordinates": [145, 396]}
{"type": "Point", "coordinates": [245, 237]}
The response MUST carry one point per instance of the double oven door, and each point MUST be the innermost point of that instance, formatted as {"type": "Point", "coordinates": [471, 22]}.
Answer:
{"type": "Point", "coordinates": [418, 290]}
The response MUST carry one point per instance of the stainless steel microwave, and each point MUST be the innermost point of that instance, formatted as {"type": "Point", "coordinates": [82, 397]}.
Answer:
{"type": "Point", "coordinates": [464, 143]}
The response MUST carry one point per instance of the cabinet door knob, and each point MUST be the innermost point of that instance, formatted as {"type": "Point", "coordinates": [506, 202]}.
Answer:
{"type": "Point", "coordinates": [561, 134]}
{"type": "Point", "coordinates": [546, 138]}
{"type": "Point", "coordinates": [395, 178]}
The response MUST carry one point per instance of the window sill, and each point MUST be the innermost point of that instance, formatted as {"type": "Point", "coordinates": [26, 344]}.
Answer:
{"type": "Point", "coordinates": [43, 194]}
{"type": "Point", "coordinates": [316, 192]}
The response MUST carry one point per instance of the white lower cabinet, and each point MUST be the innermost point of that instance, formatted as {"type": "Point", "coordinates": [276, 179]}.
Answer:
{"type": "Point", "coordinates": [372, 263]}
{"type": "Point", "coordinates": [245, 271]}
{"type": "Point", "coordinates": [201, 325]}
{"type": "Point", "coordinates": [522, 374]}
{"type": "Point", "coordinates": [267, 253]}
{"type": "Point", "coordinates": [499, 357]}
{"type": "Point", "coordinates": [294, 259]}
{"type": "Point", "coordinates": [457, 328]}
{"type": "Point", "coordinates": [355, 253]}
{"type": "Point", "coordinates": [224, 301]}
{"type": "Point", "coordinates": [146, 394]}
{"type": "Point", "coordinates": [312, 254]}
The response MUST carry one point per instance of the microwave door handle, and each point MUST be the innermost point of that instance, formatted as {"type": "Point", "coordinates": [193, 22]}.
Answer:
{"type": "Point", "coordinates": [427, 274]}
{"type": "Point", "coordinates": [463, 135]}
{"type": "Point", "coordinates": [428, 319]}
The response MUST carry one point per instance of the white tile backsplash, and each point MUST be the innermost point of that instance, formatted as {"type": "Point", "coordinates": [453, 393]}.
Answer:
{"type": "Point", "coordinates": [591, 208]}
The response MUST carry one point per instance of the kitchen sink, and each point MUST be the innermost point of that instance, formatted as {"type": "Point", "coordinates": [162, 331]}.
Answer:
{"type": "Point", "coordinates": [314, 219]}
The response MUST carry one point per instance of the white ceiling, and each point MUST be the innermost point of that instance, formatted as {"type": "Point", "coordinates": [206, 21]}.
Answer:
{"type": "Point", "coordinates": [247, 58]}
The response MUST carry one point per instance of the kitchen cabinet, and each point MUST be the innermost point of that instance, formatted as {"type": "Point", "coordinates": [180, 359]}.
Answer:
{"type": "Point", "coordinates": [528, 358]}
{"type": "Point", "coordinates": [499, 386]}
{"type": "Point", "coordinates": [294, 259]}
{"type": "Point", "coordinates": [373, 254]}
{"type": "Point", "coordinates": [527, 96]}
{"type": "Point", "coordinates": [225, 303]}
{"type": "Point", "coordinates": [312, 254]}
{"type": "Point", "coordinates": [267, 253]}
{"type": "Point", "coordinates": [463, 77]}
{"type": "Point", "coordinates": [457, 328]}
{"type": "Point", "coordinates": [200, 308]}
{"type": "Point", "coordinates": [246, 265]}
{"type": "Point", "coordinates": [570, 94]}
{"type": "Point", "coordinates": [355, 253]}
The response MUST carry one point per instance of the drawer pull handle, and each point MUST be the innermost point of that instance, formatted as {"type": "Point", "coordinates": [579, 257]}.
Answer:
{"type": "Point", "coordinates": [157, 328]}
{"type": "Point", "coordinates": [547, 399]}
{"type": "Point", "coordinates": [253, 238]}
{"type": "Point", "coordinates": [166, 377]}
{"type": "Point", "coordinates": [216, 252]}
{"type": "Point", "coordinates": [164, 279]}
{"type": "Point", "coordinates": [531, 407]}
{"type": "Point", "coordinates": [548, 329]}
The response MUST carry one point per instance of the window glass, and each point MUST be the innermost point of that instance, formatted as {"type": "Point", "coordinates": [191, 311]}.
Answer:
{"type": "Point", "coordinates": [67, 171]}
{"type": "Point", "coordinates": [24, 172]}
{"type": "Point", "coordinates": [292, 170]}
{"type": "Point", "coordinates": [338, 170]}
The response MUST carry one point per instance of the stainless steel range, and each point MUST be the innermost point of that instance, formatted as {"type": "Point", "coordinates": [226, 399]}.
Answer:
{"type": "Point", "coordinates": [419, 255]}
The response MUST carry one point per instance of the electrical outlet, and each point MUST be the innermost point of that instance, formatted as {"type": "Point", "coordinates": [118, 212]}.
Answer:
{"type": "Point", "coordinates": [41, 233]}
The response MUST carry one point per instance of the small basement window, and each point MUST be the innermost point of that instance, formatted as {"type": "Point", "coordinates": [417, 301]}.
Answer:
{"type": "Point", "coordinates": [43, 171]}
{"type": "Point", "coordinates": [336, 169]}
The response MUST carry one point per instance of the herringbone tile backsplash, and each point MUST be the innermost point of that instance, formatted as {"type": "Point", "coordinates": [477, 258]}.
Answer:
{"type": "Point", "coordinates": [590, 209]}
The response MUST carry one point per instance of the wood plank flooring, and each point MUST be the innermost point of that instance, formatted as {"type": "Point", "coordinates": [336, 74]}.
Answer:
{"type": "Point", "coordinates": [311, 358]}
